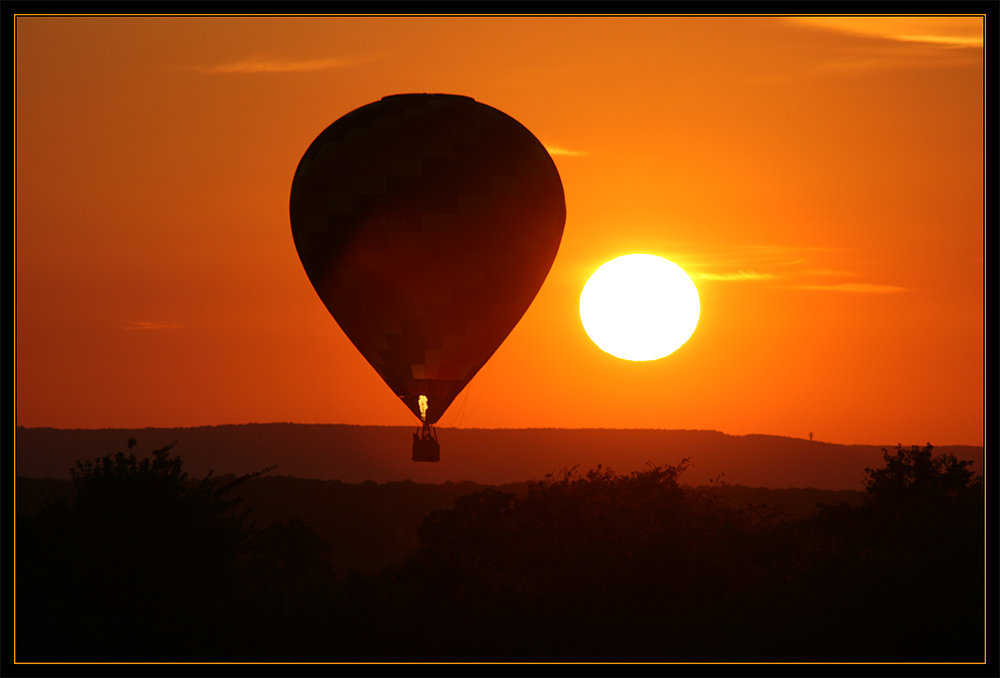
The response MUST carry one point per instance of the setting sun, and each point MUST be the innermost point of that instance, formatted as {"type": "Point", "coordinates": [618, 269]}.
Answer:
{"type": "Point", "coordinates": [640, 307]}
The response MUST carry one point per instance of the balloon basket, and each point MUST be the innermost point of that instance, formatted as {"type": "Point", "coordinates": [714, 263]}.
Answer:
{"type": "Point", "coordinates": [426, 446]}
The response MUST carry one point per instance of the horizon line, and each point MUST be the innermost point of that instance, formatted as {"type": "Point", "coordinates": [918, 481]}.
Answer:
{"type": "Point", "coordinates": [513, 428]}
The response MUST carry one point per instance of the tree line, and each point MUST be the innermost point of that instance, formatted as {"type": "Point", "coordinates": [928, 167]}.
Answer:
{"type": "Point", "coordinates": [142, 563]}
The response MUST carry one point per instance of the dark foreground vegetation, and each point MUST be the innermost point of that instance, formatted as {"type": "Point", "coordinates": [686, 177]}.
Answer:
{"type": "Point", "coordinates": [139, 563]}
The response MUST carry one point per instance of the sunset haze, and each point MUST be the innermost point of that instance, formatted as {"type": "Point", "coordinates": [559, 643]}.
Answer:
{"type": "Point", "coordinates": [821, 180]}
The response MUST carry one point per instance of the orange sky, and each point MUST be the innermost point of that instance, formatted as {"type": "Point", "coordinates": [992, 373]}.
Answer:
{"type": "Point", "coordinates": [820, 179]}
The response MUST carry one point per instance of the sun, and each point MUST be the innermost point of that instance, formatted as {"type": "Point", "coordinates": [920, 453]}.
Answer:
{"type": "Point", "coordinates": [640, 307]}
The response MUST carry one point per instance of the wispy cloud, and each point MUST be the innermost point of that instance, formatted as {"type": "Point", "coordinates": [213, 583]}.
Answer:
{"type": "Point", "coordinates": [829, 272]}
{"type": "Point", "coordinates": [860, 288]}
{"type": "Point", "coordinates": [890, 43]}
{"type": "Point", "coordinates": [748, 274]}
{"type": "Point", "coordinates": [945, 40]}
{"type": "Point", "coordinates": [759, 262]}
{"type": "Point", "coordinates": [145, 325]}
{"type": "Point", "coordinates": [785, 252]}
{"type": "Point", "coordinates": [894, 59]}
{"type": "Point", "coordinates": [951, 31]}
{"type": "Point", "coordinates": [559, 150]}
{"type": "Point", "coordinates": [804, 267]}
{"type": "Point", "coordinates": [260, 64]}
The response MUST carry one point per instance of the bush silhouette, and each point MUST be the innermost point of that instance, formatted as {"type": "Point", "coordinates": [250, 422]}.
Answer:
{"type": "Point", "coordinates": [583, 567]}
{"type": "Point", "coordinates": [144, 564]}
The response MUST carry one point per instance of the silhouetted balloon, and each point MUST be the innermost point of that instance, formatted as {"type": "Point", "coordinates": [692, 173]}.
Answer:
{"type": "Point", "coordinates": [427, 223]}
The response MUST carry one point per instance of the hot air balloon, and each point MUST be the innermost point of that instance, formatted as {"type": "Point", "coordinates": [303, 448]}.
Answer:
{"type": "Point", "coordinates": [427, 224]}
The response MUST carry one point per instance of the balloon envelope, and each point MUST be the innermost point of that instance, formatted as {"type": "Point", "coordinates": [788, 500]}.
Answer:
{"type": "Point", "coordinates": [427, 223]}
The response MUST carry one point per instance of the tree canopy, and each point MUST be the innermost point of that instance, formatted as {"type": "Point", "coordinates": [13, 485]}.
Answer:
{"type": "Point", "coordinates": [142, 563]}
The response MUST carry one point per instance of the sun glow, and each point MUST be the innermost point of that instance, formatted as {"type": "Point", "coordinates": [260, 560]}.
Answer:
{"type": "Point", "coordinates": [640, 307]}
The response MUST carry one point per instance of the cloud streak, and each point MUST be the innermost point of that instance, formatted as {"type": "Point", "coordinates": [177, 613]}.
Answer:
{"type": "Point", "coordinates": [829, 272]}
{"type": "Point", "coordinates": [144, 325]}
{"type": "Point", "coordinates": [889, 43]}
{"type": "Point", "coordinates": [748, 274]}
{"type": "Point", "coordinates": [257, 64]}
{"type": "Point", "coordinates": [792, 267]}
{"type": "Point", "coordinates": [950, 31]}
{"type": "Point", "coordinates": [559, 150]}
{"type": "Point", "coordinates": [857, 288]}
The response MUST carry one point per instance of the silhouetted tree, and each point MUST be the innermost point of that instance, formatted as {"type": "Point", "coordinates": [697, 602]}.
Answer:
{"type": "Point", "coordinates": [901, 575]}
{"type": "Point", "coordinates": [143, 564]}
{"type": "Point", "coordinates": [926, 506]}
{"type": "Point", "coordinates": [914, 477]}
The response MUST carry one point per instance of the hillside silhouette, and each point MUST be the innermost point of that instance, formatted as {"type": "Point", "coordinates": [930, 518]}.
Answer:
{"type": "Point", "coordinates": [355, 454]}
{"type": "Point", "coordinates": [142, 562]}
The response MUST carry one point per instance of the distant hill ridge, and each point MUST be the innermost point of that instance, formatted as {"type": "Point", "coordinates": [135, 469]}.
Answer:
{"type": "Point", "coordinates": [355, 454]}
